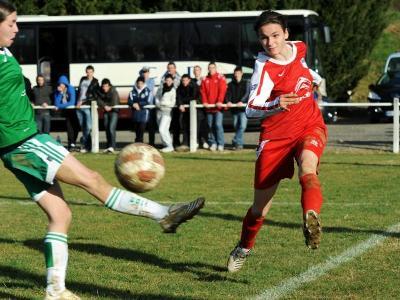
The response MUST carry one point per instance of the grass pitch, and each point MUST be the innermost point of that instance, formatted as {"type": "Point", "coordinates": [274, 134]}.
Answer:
{"type": "Point", "coordinates": [116, 256]}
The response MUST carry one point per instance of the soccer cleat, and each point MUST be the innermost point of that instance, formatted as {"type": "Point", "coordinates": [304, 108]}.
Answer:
{"type": "Point", "coordinates": [236, 259]}
{"type": "Point", "coordinates": [180, 213]}
{"type": "Point", "coordinates": [312, 229]}
{"type": "Point", "coordinates": [65, 295]}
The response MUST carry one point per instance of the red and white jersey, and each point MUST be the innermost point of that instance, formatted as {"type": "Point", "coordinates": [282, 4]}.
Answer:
{"type": "Point", "coordinates": [273, 78]}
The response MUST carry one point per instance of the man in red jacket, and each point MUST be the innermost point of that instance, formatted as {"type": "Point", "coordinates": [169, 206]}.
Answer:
{"type": "Point", "coordinates": [213, 90]}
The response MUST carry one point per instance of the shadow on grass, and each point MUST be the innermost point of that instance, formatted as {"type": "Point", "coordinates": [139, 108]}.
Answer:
{"type": "Point", "coordinates": [6, 197]}
{"type": "Point", "coordinates": [4, 295]}
{"type": "Point", "coordinates": [78, 287]}
{"type": "Point", "coordinates": [201, 271]}
{"type": "Point", "coordinates": [326, 229]}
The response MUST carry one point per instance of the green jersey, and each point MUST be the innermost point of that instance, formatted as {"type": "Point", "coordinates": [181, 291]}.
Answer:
{"type": "Point", "coordinates": [17, 120]}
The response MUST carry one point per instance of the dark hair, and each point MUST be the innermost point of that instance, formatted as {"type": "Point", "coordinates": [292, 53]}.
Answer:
{"type": "Point", "coordinates": [39, 75]}
{"type": "Point", "coordinates": [90, 67]}
{"type": "Point", "coordinates": [212, 63]}
{"type": "Point", "coordinates": [140, 78]}
{"type": "Point", "coordinates": [106, 81]}
{"type": "Point", "coordinates": [185, 76]}
{"type": "Point", "coordinates": [6, 9]}
{"type": "Point", "coordinates": [238, 69]}
{"type": "Point", "coordinates": [171, 63]}
{"type": "Point", "coordinates": [168, 76]}
{"type": "Point", "coordinates": [270, 17]}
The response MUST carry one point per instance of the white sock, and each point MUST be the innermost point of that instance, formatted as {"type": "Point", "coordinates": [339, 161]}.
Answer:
{"type": "Point", "coordinates": [130, 203]}
{"type": "Point", "coordinates": [56, 254]}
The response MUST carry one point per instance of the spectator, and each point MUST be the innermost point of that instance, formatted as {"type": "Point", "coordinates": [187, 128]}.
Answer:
{"type": "Point", "coordinates": [107, 98]}
{"type": "Point", "coordinates": [138, 98]}
{"type": "Point", "coordinates": [88, 88]}
{"type": "Point", "coordinates": [165, 101]}
{"type": "Point", "coordinates": [213, 90]}
{"type": "Point", "coordinates": [238, 93]}
{"type": "Point", "coordinates": [175, 122]}
{"type": "Point", "coordinates": [64, 97]}
{"type": "Point", "coordinates": [42, 97]}
{"type": "Point", "coordinates": [152, 123]}
{"type": "Point", "coordinates": [201, 113]}
{"type": "Point", "coordinates": [186, 92]}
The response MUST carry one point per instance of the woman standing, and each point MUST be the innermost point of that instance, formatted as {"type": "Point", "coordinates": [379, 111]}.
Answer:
{"type": "Point", "coordinates": [139, 97]}
{"type": "Point", "coordinates": [165, 101]}
{"type": "Point", "coordinates": [292, 128]}
{"type": "Point", "coordinates": [108, 97]}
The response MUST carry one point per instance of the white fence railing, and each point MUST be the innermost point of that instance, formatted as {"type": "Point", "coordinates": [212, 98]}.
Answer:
{"type": "Point", "coordinates": [193, 119]}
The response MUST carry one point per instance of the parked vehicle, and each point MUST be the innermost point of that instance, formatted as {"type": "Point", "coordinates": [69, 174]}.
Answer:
{"type": "Point", "coordinates": [385, 90]}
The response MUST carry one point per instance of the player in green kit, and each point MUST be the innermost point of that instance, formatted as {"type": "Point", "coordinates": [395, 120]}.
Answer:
{"type": "Point", "coordinates": [39, 162]}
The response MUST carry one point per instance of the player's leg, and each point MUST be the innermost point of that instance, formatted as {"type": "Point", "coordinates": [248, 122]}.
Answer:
{"type": "Point", "coordinates": [274, 162]}
{"type": "Point", "coordinates": [308, 154]}
{"type": "Point", "coordinates": [251, 225]}
{"type": "Point", "coordinates": [56, 242]}
{"type": "Point", "coordinates": [74, 172]}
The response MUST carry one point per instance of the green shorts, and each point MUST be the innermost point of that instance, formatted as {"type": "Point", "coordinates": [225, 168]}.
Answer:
{"type": "Point", "coordinates": [35, 163]}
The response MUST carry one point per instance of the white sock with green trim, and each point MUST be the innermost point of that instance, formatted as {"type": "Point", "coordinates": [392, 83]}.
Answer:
{"type": "Point", "coordinates": [133, 204]}
{"type": "Point", "coordinates": [56, 255]}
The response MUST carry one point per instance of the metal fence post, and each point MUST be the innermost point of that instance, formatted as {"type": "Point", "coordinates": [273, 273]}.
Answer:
{"type": "Point", "coordinates": [193, 126]}
{"type": "Point", "coordinates": [95, 127]}
{"type": "Point", "coordinates": [396, 125]}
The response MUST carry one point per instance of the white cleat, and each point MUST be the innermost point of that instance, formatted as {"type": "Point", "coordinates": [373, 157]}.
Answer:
{"type": "Point", "coordinates": [65, 295]}
{"type": "Point", "coordinates": [236, 259]}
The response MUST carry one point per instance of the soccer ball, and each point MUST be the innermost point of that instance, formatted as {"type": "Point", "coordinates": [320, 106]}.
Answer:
{"type": "Point", "coordinates": [139, 167]}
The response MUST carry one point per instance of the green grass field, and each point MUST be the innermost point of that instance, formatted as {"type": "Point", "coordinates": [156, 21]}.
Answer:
{"type": "Point", "coordinates": [115, 256]}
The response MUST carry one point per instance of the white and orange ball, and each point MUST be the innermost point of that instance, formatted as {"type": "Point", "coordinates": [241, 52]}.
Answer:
{"type": "Point", "coordinates": [139, 167]}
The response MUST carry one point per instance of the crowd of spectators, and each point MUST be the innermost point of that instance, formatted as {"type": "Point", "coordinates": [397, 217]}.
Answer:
{"type": "Point", "coordinates": [171, 117]}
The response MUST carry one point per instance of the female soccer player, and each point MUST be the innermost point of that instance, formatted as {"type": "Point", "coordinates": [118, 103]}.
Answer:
{"type": "Point", "coordinates": [39, 162]}
{"type": "Point", "coordinates": [292, 128]}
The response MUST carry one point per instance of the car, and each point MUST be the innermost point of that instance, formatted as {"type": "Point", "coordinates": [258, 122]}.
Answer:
{"type": "Point", "coordinates": [384, 90]}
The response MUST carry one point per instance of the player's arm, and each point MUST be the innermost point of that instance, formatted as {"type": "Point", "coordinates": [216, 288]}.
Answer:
{"type": "Point", "coordinates": [260, 104]}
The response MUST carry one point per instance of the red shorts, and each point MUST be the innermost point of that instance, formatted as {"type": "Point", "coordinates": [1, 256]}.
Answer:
{"type": "Point", "coordinates": [275, 158]}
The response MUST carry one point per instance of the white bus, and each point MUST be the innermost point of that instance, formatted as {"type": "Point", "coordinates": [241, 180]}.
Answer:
{"type": "Point", "coordinates": [118, 46]}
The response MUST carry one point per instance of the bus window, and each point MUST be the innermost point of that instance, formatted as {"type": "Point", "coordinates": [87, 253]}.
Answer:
{"type": "Point", "coordinates": [84, 43]}
{"type": "Point", "coordinates": [250, 44]}
{"type": "Point", "coordinates": [24, 48]}
{"type": "Point", "coordinates": [155, 41]}
{"type": "Point", "coordinates": [212, 40]}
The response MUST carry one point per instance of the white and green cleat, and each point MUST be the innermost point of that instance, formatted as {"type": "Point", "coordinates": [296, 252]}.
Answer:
{"type": "Point", "coordinates": [65, 295]}
{"type": "Point", "coordinates": [180, 213]}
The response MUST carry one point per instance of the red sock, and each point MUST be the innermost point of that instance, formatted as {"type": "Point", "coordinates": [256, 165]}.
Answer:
{"type": "Point", "coordinates": [311, 196]}
{"type": "Point", "coordinates": [251, 226]}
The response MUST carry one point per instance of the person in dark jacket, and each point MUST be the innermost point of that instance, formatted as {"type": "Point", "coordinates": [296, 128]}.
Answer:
{"type": "Point", "coordinates": [87, 90]}
{"type": "Point", "coordinates": [107, 98]}
{"type": "Point", "coordinates": [42, 97]}
{"type": "Point", "coordinates": [186, 92]}
{"type": "Point", "coordinates": [138, 98]}
{"type": "Point", "coordinates": [238, 93]}
{"type": "Point", "coordinates": [65, 96]}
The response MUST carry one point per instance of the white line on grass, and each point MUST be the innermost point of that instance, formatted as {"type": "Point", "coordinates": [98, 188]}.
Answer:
{"type": "Point", "coordinates": [290, 285]}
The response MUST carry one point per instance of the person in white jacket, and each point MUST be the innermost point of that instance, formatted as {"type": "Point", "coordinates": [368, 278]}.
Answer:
{"type": "Point", "coordinates": [165, 101]}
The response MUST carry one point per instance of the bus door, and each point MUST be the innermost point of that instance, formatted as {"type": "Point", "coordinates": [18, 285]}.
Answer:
{"type": "Point", "coordinates": [53, 53]}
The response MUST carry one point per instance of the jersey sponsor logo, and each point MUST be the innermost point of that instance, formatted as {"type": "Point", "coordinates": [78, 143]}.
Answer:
{"type": "Point", "coordinates": [302, 84]}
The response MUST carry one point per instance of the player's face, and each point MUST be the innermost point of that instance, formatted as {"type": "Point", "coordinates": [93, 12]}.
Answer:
{"type": "Point", "coordinates": [273, 39]}
{"type": "Point", "coordinates": [8, 30]}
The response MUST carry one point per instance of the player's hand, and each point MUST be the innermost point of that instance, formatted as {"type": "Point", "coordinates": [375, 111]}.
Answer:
{"type": "Point", "coordinates": [288, 99]}
{"type": "Point", "coordinates": [218, 104]}
{"type": "Point", "coordinates": [181, 108]}
{"type": "Point", "coordinates": [229, 104]}
{"type": "Point", "coordinates": [107, 108]}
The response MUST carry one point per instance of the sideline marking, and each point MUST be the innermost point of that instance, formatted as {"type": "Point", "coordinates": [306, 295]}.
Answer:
{"type": "Point", "coordinates": [290, 285]}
